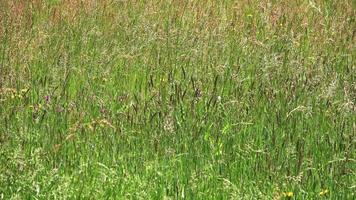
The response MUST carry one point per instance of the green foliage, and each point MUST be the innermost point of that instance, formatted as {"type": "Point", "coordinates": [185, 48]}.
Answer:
{"type": "Point", "coordinates": [177, 99]}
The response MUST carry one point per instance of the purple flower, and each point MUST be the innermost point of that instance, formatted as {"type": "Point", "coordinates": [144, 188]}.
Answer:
{"type": "Point", "coordinates": [47, 98]}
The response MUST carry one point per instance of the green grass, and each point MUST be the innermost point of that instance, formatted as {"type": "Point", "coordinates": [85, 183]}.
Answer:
{"type": "Point", "coordinates": [177, 99]}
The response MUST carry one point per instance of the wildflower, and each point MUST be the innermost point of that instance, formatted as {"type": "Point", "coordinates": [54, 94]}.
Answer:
{"type": "Point", "coordinates": [47, 98]}
{"type": "Point", "coordinates": [323, 192]}
{"type": "Point", "coordinates": [288, 194]}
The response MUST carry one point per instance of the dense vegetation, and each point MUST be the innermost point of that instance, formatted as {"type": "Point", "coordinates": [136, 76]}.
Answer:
{"type": "Point", "coordinates": [177, 99]}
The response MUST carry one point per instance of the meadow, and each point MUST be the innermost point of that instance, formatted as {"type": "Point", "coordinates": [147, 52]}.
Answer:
{"type": "Point", "coordinates": [177, 99]}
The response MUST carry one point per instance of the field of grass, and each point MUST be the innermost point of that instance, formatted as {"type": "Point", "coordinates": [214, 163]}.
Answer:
{"type": "Point", "coordinates": [177, 99]}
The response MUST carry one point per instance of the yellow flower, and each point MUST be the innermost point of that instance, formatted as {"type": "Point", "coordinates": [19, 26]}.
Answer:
{"type": "Point", "coordinates": [323, 192]}
{"type": "Point", "coordinates": [288, 194]}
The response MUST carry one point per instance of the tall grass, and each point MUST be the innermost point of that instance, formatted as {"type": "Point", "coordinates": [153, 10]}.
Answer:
{"type": "Point", "coordinates": [177, 99]}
